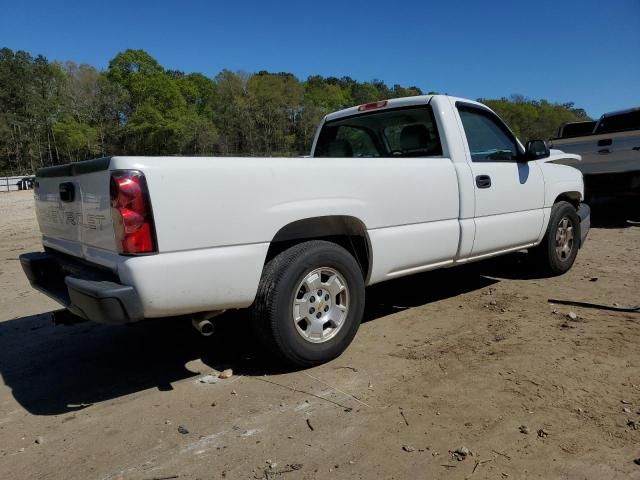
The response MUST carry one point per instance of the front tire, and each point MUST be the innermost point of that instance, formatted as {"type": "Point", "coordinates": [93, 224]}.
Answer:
{"type": "Point", "coordinates": [309, 303]}
{"type": "Point", "coordinates": [559, 247]}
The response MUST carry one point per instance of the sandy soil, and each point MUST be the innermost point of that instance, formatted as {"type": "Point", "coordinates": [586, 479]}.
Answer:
{"type": "Point", "coordinates": [455, 358]}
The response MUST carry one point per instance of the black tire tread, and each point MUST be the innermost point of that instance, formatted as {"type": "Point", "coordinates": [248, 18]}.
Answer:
{"type": "Point", "coordinates": [264, 318]}
{"type": "Point", "coordinates": [545, 252]}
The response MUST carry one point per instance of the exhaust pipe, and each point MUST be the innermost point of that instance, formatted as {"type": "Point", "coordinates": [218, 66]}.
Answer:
{"type": "Point", "coordinates": [204, 326]}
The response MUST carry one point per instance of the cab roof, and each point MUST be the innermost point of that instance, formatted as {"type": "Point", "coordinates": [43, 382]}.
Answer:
{"type": "Point", "coordinates": [391, 103]}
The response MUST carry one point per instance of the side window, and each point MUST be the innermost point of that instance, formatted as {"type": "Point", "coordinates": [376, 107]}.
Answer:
{"type": "Point", "coordinates": [488, 139]}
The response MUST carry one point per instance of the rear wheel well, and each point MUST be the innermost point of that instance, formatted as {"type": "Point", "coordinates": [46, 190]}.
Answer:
{"type": "Point", "coordinates": [574, 198]}
{"type": "Point", "coordinates": [348, 232]}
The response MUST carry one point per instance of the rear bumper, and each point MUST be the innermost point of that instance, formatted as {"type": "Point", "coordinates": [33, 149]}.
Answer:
{"type": "Point", "coordinates": [89, 293]}
{"type": "Point", "coordinates": [584, 212]}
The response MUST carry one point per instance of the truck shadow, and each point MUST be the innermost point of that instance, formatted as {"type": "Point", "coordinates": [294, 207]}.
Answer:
{"type": "Point", "coordinates": [407, 292]}
{"type": "Point", "coordinates": [53, 369]}
{"type": "Point", "coordinates": [56, 369]}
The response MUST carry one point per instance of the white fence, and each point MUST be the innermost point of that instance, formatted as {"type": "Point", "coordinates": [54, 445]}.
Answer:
{"type": "Point", "coordinates": [10, 184]}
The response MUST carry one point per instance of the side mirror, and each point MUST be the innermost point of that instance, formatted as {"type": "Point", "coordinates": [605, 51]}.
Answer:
{"type": "Point", "coordinates": [536, 149]}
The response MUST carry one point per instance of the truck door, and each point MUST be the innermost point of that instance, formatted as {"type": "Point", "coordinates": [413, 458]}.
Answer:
{"type": "Point", "coordinates": [509, 193]}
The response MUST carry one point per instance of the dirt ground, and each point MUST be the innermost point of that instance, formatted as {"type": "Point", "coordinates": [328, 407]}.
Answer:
{"type": "Point", "coordinates": [449, 359]}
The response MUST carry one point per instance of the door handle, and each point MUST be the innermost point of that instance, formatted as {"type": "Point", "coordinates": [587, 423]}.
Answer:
{"type": "Point", "coordinates": [605, 142]}
{"type": "Point", "coordinates": [483, 181]}
{"type": "Point", "coordinates": [637, 149]}
{"type": "Point", "coordinates": [67, 192]}
{"type": "Point", "coordinates": [604, 151]}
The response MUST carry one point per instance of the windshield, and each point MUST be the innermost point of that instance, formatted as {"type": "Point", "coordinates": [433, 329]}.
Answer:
{"type": "Point", "coordinates": [398, 132]}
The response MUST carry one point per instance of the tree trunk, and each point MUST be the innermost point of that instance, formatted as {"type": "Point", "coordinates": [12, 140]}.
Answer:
{"type": "Point", "coordinates": [49, 145]}
{"type": "Point", "coordinates": [55, 146]}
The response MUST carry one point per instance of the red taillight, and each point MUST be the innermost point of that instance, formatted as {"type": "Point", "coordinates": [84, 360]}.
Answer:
{"type": "Point", "coordinates": [131, 212]}
{"type": "Point", "coordinates": [372, 105]}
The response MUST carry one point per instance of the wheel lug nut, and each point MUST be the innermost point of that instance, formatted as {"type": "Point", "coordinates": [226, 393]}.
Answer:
{"type": "Point", "coordinates": [312, 299]}
{"type": "Point", "coordinates": [326, 297]}
{"type": "Point", "coordinates": [326, 308]}
{"type": "Point", "coordinates": [319, 293]}
{"type": "Point", "coordinates": [311, 310]}
{"type": "Point", "coordinates": [318, 315]}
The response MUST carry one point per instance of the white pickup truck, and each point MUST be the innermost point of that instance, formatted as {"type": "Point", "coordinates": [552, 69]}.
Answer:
{"type": "Point", "coordinates": [391, 188]}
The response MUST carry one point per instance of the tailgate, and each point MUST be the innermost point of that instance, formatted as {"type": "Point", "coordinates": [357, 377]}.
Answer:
{"type": "Point", "coordinates": [73, 207]}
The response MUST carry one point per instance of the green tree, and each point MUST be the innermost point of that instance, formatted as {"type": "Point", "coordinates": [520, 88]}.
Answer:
{"type": "Point", "coordinates": [534, 119]}
{"type": "Point", "coordinates": [131, 62]}
{"type": "Point", "coordinates": [52, 113]}
{"type": "Point", "coordinates": [77, 140]}
{"type": "Point", "coordinates": [274, 101]}
{"type": "Point", "coordinates": [233, 118]}
{"type": "Point", "coordinates": [30, 102]}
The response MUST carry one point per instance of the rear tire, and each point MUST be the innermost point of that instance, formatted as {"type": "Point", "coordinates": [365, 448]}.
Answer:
{"type": "Point", "coordinates": [559, 247]}
{"type": "Point", "coordinates": [309, 303]}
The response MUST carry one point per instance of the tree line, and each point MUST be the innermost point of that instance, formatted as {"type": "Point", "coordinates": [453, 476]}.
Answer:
{"type": "Point", "coordinates": [56, 112]}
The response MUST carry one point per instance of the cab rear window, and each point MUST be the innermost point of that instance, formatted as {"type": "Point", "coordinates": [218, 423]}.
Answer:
{"type": "Point", "coordinates": [576, 129]}
{"type": "Point", "coordinates": [622, 122]}
{"type": "Point", "coordinates": [398, 132]}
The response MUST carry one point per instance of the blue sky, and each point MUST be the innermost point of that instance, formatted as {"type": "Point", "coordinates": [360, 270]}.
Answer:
{"type": "Point", "coordinates": [584, 51]}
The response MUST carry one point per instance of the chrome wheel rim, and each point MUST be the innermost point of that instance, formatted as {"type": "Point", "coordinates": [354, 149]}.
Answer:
{"type": "Point", "coordinates": [564, 239]}
{"type": "Point", "coordinates": [320, 305]}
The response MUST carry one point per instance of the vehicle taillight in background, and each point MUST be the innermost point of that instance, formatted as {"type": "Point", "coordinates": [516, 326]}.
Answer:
{"type": "Point", "coordinates": [131, 213]}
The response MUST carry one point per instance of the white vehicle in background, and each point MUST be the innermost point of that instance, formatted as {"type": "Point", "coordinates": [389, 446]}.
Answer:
{"type": "Point", "coordinates": [391, 188]}
{"type": "Point", "coordinates": [610, 151]}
